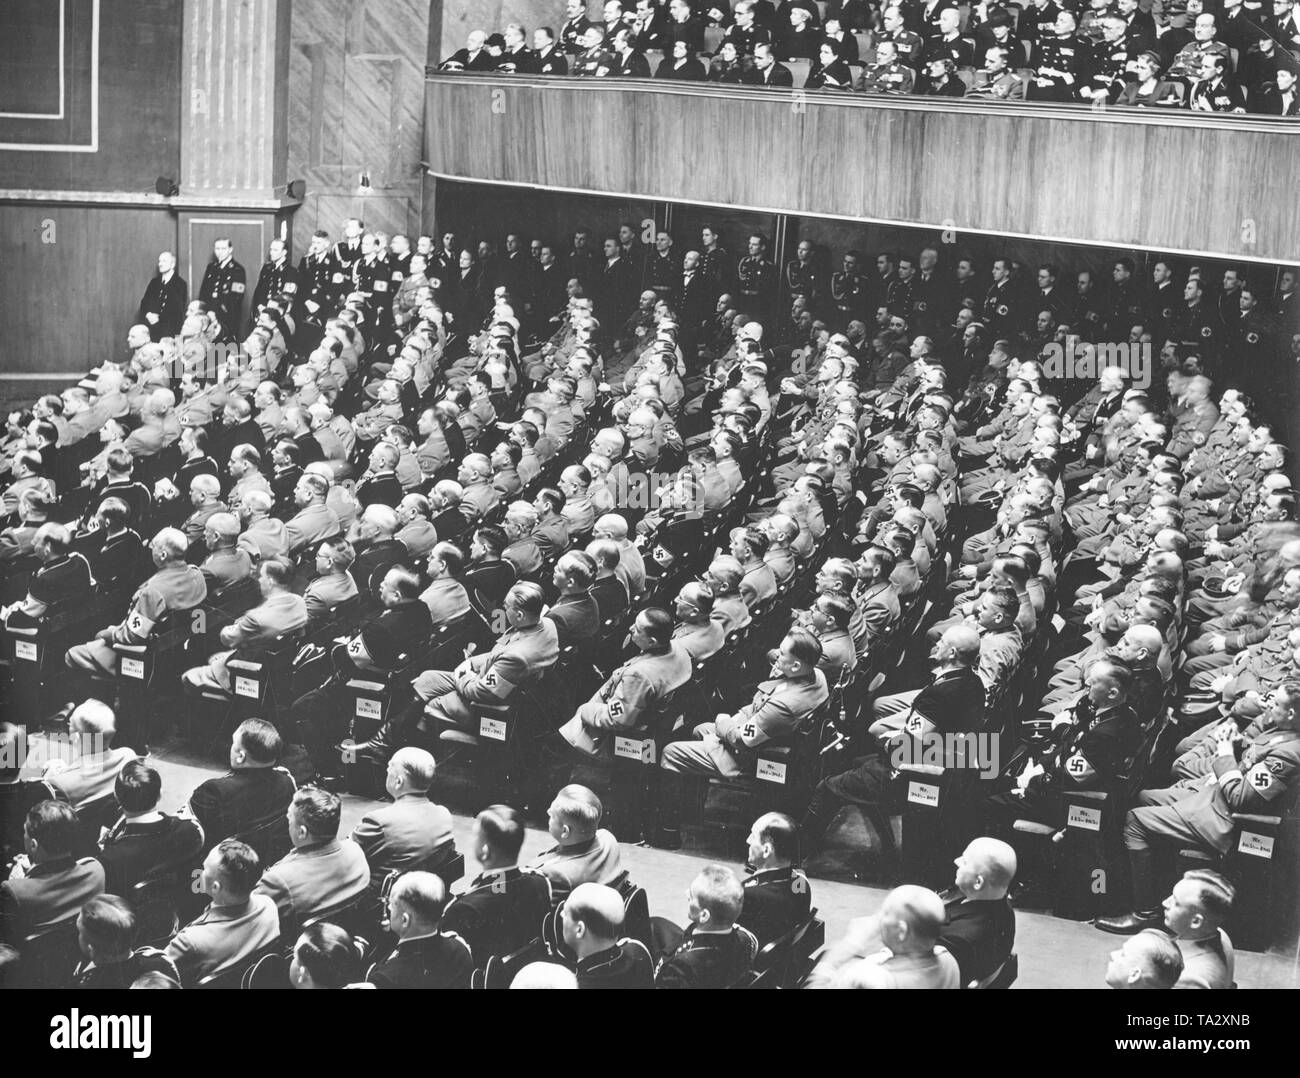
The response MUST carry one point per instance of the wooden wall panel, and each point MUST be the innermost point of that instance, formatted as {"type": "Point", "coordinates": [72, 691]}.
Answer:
{"type": "Point", "coordinates": [1173, 182]}
{"type": "Point", "coordinates": [356, 104]}
{"type": "Point", "coordinates": [138, 96]}
{"type": "Point", "coordinates": [71, 301]}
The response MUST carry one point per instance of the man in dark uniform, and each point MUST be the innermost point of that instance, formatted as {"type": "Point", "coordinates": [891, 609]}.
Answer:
{"type": "Point", "coordinates": [223, 287]}
{"type": "Point", "coordinates": [801, 277]}
{"type": "Point", "coordinates": [1198, 326]}
{"type": "Point", "coordinates": [251, 797]}
{"type": "Point", "coordinates": [278, 275]}
{"type": "Point", "coordinates": [316, 285]}
{"type": "Point", "coordinates": [848, 290]}
{"type": "Point", "coordinates": [663, 269]}
{"type": "Point", "coordinates": [981, 928]}
{"type": "Point", "coordinates": [163, 307]}
{"type": "Point", "coordinates": [1001, 305]}
{"type": "Point", "coordinates": [714, 951]}
{"type": "Point", "coordinates": [1092, 745]}
{"type": "Point", "coordinates": [548, 56]}
{"type": "Point", "coordinates": [756, 278]}
{"type": "Point", "coordinates": [1163, 302]}
{"type": "Point", "coordinates": [1058, 63]}
{"type": "Point", "coordinates": [591, 922]}
{"type": "Point", "coordinates": [426, 955]}
{"type": "Point", "coordinates": [372, 277]}
{"type": "Point", "coordinates": [899, 298]}
{"type": "Point", "coordinates": [504, 906]}
{"type": "Point", "coordinates": [576, 24]}
{"type": "Point", "coordinates": [1126, 306]}
{"type": "Point", "coordinates": [777, 896]}
{"type": "Point", "coordinates": [715, 262]}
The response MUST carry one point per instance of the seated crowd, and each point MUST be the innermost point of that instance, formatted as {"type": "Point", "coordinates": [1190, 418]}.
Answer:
{"type": "Point", "coordinates": [1233, 57]}
{"type": "Point", "coordinates": [437, 492]}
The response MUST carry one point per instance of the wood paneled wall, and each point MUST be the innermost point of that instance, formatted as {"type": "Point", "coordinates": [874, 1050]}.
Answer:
{"type": "Point", "coordinates": [138, 92]}
{"type": "Point", "coordinates": [81, 271]}
{"type": "Point", "coordinates": [1175, 182]}
{"type": "Point", "coordinates": [356, 105]}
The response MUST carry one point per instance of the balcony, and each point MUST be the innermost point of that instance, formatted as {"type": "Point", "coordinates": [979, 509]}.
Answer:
{"type": "Point", "coordinates": [1174, 181]}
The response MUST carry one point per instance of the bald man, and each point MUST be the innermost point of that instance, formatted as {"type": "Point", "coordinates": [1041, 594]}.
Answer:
{"type": "Point", "coordinates": [226, 563]}
{"type": "Point", "coordinates": [899, 945]}
{"type": "Point", "coordinates": [93, 769]}
{"type": "Point", "coordinates": [412, 832]}
{"type": "Point", "coordinates": [1148, 960]}
{"type": "Point", "coordinates": [631, 565]}
{"type": "Point", "coordinates": [205, 497]}
{"type": "Point", "coordinates": [981, 927]}
{"type": "Point", "coordinates": [591, 922]}
{"type": "Point", "coordinates": [377, 547]}
{"type": "Point", "coordinates": [174, 586]}
{"type": "Point", "coordinates": [698, 634]}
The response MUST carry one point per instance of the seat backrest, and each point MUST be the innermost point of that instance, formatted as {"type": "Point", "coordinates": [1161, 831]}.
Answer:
{"type": "Point", "coordinates": [232, 976]}
{"type": "Point", "coordinates": [268, 971]}
{"type": "Point", "coordinates": [48, 958]}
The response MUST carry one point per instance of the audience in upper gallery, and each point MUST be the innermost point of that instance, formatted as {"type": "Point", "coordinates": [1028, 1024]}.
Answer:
{"type": "Point", "coordinates": [1232, 60]}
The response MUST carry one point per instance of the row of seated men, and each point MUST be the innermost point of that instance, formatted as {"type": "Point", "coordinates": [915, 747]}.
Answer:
{"type": "Point", "coordinates": [566, 910]}
{"type": "Point", "coordinates": [1104, 52]}
{"type": "Point", "coordinates": [823, 428]}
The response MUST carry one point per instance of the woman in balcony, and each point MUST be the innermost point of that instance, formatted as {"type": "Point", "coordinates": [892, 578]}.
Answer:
{"type": "Point", "coordinates": [682, 64]}
{"type": "Point", "coordinates": [726, 66]}
{"type": "Point", "coordinates": [940, 79]}
{"type": "Point", "coordinates": [829, 72]}
{"type": "Point", "coordinates": [1150, 89]}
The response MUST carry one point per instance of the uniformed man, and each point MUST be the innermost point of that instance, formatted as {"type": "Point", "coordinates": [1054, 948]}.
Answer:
{"type": "Point", "coordinates": [887, 74]}
{"type": "Point", "coordinates": [504, 906]}
{"type": "Point", "coordinates": [714, 951]}
{"type": "Point", "coordinates": [1126, 304]}
{"type": "Point", "coordinates": [995, 80]}
{"type": "Point", "coordinates": [632, 694]}
{"type": "Point", "coordinates": [163, 307]}
{"type": "Point", "coordinates": [801, 276]}
{"type": "Point", "coordinates": [756, 277]}
{"type": "Point", "coordinates": [1058, 63]}
{"type": "Point", "coordinates": [1245, 777]}
{"type": "Point", "coordinates": [175, 586]}
{"type": "Point", "coordinates": [593, 59]}
{"type": "Point", "coordinates": [591, 924]}
{"type": "Point", "coordinates": [907, 44]}
{"type": "Point", "coordinates": [847, 288]}
{"type": "Point", "coordinates": [715, 261]}
{"type": "Point", "coordinates": [278, 275]}
{"type": "Point", "coordinates": [224, 282]}
{"type": "Point", "coordinates": [575, 26]}
{"type": "Point", "coordinates": [1212, 91]}
{"type": "Point", "coordinates": [1002, 313]}
{"type": "Point", "coordinates": [778, 898]}
{"type": "Point", "coordinates": [780, 707]}
{"type": "Point", "coordinates": [444, 698]}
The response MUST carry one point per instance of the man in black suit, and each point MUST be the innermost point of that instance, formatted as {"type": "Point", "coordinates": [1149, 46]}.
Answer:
{"type": "Point", "coordinates": [591, 921]}
{"type": "Point", "coordinates": [249, 801]}
{"type": "Point", "coordinates": [163, 307]}
{"type": "Point", "coordinates": [426, 955]}
{"type": "Point", "coordinates": [694, 302]}
{"type": "Point", "coordinates": [777, 896]}
{"type": "Point", "coordinates": [144, 840]}
{"type": "Point", "coordinates": [503, 909]}
{"type": "Point", "coordinates": [981, 927]}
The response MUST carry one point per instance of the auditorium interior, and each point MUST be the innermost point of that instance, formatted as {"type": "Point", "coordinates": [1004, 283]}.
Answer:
{"type": "Point", "coordinates": [647, 494]}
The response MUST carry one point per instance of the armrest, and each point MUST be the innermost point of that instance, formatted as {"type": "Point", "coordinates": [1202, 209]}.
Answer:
{"type": "Point", "coordinates": [29, 631]}
{"type": "Point", "coordinates": [250, 666]}
{"type": "Point", "coordinates": [781, 751]}
{"type": "Point", "coordinates": [130, 649]}
{"type": "Point", "coordinates": [1099, 797]}
{"type": "Point", "coordinates": [1258, 821]}
{"type": "Point", "coordinates": [367, 686]}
